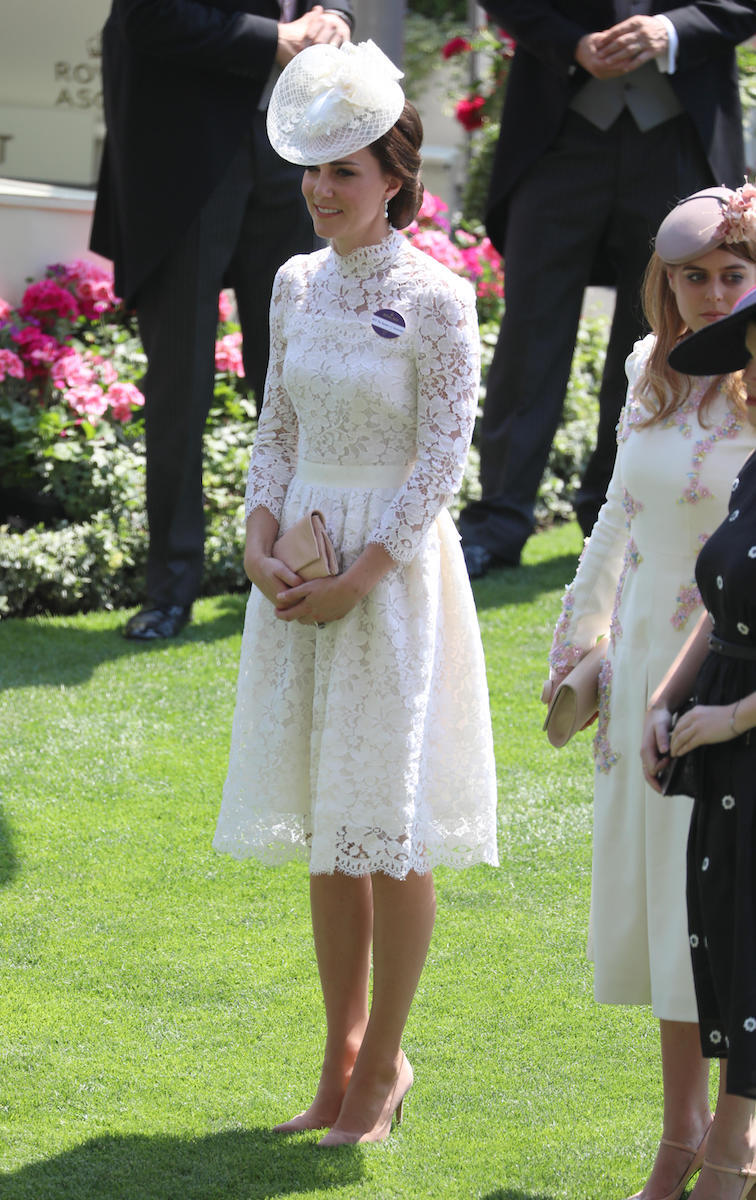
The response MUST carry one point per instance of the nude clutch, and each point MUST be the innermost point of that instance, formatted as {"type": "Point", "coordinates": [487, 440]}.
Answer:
{"type": "Point", "coordinates": [307, 549]}
{"type": "Point", "coordinates": [575, 702]}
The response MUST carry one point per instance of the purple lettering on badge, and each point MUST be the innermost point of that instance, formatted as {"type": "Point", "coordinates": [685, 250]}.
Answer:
{"type": "Point", "coordinates": [387, 323]}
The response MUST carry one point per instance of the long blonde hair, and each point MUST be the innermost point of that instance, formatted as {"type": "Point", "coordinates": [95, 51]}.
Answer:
{"type": "Point", "coordinates": [662, 389]}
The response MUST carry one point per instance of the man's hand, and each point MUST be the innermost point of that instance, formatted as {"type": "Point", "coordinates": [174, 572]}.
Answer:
{"type": "Point", "coordinates": [622, 48]}
{"type": "Point", "coordinates": [316, 27]}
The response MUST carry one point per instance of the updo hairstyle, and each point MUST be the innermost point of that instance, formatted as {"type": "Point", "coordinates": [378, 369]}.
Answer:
{"type": "Point", "coordinates": [398, 153]}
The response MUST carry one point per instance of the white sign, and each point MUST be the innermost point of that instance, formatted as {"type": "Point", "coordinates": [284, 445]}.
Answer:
{"type": "Point", "coordinates": [51, 122]}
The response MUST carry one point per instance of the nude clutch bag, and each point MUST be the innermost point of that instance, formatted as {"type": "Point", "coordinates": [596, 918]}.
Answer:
{"type": "Point", "coordinates": [575, 701]}
{"type": "Point", "coordinates": [307, 549]}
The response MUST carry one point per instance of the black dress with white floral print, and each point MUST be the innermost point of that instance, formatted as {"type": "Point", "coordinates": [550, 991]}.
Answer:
{"type": "Point", "coordinates": [722, 843]}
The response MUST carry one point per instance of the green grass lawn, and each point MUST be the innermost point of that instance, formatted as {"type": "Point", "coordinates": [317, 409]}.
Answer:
{"type": "Point", "coordinates": [159, 1008]}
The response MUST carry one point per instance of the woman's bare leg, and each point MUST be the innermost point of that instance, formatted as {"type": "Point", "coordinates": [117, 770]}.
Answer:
{"type": "Point", "coordinates": [685, 1074]}
{"type": "Point", "coordinates": [342, 925]}
{"type": "Point", "coordinates": [732, 1143]}
{"type": "Point", "coordinates": [403, 916]}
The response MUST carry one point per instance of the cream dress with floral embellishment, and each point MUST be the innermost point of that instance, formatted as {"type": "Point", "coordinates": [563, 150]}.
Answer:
{"type": "Point", "coordinates": [366, 745]}
{"type": "Point", "coordinates": [635, 584]}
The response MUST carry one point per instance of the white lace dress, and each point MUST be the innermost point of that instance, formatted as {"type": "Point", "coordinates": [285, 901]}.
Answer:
{"type": "Point", "coordinates": [635, 584]}
{"type": "Point", "coordinates": [366, 745]}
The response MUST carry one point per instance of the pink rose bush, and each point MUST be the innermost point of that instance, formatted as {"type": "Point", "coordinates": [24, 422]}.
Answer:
{"type": "Point", "coordinates": [463, 249]}
{"type": "Point", "coordinates": [71, 364]}
{"type": "Point", "coordinates": [51, 335]}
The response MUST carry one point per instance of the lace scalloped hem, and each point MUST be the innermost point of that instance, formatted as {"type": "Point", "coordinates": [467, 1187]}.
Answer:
{"type": "Point", "coordinates": [351, 858]}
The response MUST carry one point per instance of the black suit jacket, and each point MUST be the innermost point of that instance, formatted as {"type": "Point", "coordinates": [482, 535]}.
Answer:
{"type": "Point", "coordinates": [544, 78]}
{"type": "Point", "coordinates": [182, 80]}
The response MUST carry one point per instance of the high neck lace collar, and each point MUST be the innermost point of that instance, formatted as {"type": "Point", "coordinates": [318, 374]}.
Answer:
{"type": "Point", "coordinates": [366, 260]}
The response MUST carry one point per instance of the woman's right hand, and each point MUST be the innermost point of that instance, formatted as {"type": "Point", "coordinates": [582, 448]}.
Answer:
{"type": "Point", "coordinates": [654, 750]}
{"type": "Point", "coordinates": [269, 574]}
{"type": "Point", "coordinates": [551, 685]}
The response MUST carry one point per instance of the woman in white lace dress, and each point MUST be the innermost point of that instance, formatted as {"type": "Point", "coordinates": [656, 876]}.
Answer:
{"type": "Point", "coordinates": [362, 735]}
{"type": "Point", "coordinates": [681, 442]}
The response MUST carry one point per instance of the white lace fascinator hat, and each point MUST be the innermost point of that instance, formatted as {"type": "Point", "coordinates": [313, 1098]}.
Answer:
{"type": "Point", "coordinates": [330, 101]}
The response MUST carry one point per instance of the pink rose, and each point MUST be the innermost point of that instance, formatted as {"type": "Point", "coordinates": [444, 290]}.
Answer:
{"type": "Point", "coordinates": [87, 399]}
{"type": "Point", "coordinates": [228, 355]}
{"type": "Point", "coordinates": [39, 350]}
{"type": "Point", "coordinates": [430, 211]}
{"type": "Point", "coordinates": [48, 300]}
{"type": "Point", "coordinates": [490, 253]}
{"type": "Point", "coordinates": [123, 398]}
{"type": "Point", "coordinates": [70, 370]}
{"type": "Point", "coordinates": [437, 244]}
{"type": "Point", "coordinates": [10, 364]}
{"type": "Point", "coordinates": [91, 284]}
{"type": "Point", "coordinates": [472, 263]}
{"type": "Point", "coordinates": [5, 308]}
{"type": "Point", "coordinates": [225, 307]}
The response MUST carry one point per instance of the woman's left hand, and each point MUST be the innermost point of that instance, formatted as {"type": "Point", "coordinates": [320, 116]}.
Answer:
{"type": "Point", "coordinates": [318, 601]}
{"type": "Point", "coordinates": [703, 725]}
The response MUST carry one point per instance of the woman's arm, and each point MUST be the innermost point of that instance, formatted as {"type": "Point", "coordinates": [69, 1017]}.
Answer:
{"type": "Point", "coordinates": [590, 599]}
{"type": "Point", "coordinates": [447, 359]}
{"type": "Point", "coordinates": [274, 452]}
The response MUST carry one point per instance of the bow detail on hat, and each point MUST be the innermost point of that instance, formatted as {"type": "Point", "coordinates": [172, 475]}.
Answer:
{"type": "Point", "coordinates": [331, 101]}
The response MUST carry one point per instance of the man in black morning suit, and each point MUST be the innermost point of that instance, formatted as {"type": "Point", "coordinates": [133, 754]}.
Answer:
{"type": "Point", "coordinates": [613, 112]}
{"type": "Point", "coordinates": [192, 198]}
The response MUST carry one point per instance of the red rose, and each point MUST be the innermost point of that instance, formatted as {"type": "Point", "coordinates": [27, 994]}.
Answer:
{"type": "Point", "coordinates": [457, 45]}
{"type": "Point", "coordinates": [469, 112]}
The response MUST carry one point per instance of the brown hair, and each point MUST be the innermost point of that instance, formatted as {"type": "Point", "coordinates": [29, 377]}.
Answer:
{"type": "Point", "coordinates": [398, 153]}
{"type": "Point", "coordinates": [663, 389]}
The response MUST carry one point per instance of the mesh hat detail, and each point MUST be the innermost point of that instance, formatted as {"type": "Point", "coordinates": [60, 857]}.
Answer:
{"type": "Point", "coordinates": [330, 101]}
{"type": "Point", "coordinates": [706, 220]}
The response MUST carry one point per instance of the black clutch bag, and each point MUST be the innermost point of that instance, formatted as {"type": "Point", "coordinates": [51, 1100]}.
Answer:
{"type": "Point", "coordinates": [678, 778]}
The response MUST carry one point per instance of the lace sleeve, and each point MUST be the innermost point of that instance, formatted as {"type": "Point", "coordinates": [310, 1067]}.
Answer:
{"type": "Point", "coordinates": [274, 453]}
{"type": "Point", "coordinates": [448, 371]}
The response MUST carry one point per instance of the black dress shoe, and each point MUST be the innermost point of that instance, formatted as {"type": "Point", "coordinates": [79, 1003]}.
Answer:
{"type": "Point", "coordinates": [149, 624]}
{"type": "Point", "coordinates": [479, 560]}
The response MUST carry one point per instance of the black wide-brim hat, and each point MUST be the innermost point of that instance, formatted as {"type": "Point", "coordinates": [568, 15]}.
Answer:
{"type": "Point", "coordinates": [719, 348]}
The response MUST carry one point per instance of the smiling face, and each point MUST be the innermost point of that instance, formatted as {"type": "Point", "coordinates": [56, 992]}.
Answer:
{"type": "Point", "coordinates": [347, 200]}
{"type": "Point", "coordinates": [707, 288]}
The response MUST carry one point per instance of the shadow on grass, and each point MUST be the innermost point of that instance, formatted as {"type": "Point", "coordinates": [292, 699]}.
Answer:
{"type": "Point", "coordinates": [36, 652]}
{"type": "Point", "coordinates": [251, 1164]}
{"type": "Point", "coordinates": [521, 585]}
{"type": "Point", "coordinates": [8, 862]}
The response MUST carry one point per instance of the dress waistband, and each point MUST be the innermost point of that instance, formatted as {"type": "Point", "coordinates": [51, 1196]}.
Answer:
{"type": "Point", "coordinates": [353, 475]}
{"type": "Point", "coordinates": [731, 649]}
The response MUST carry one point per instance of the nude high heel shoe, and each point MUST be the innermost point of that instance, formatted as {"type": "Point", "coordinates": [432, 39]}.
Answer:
{"type": "Point", "coordinates": [747, 1174]}
{"type": "Point", "coordinates": [393, 1110]}
{"type": "Point", "coordinates": [696, 1162]}
{"type": "Point", "coordinates": [300, 1124]}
